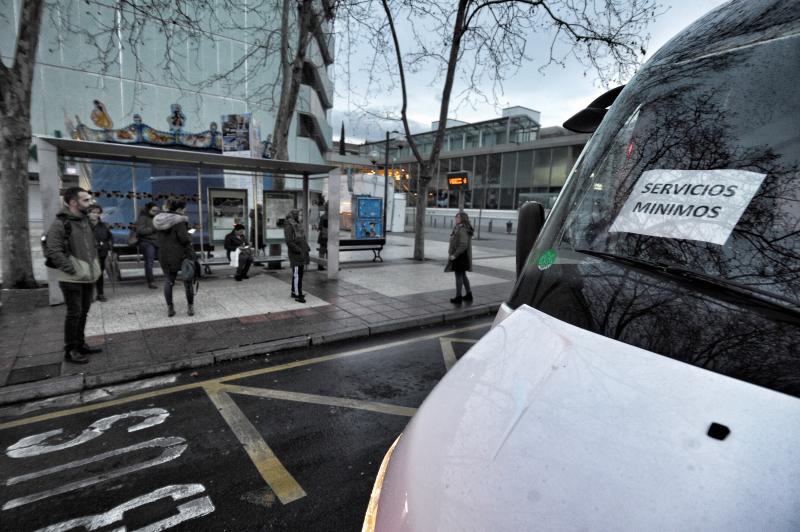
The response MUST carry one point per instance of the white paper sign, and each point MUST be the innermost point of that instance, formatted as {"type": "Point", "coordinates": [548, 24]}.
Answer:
{"type": "Point", "coordinates": [702, 205]}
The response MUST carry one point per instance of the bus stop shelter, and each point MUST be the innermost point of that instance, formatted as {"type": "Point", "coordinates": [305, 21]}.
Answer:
{"type": "Point", "coordinates": [52, 151]}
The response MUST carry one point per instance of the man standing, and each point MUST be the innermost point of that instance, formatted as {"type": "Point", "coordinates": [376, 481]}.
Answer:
{"type": "Point", "coordinates": [105, 244]}
{"type": "Point", "coordinates": [71, 248]}
{"type": "Point", "coordinates": [297, 244]}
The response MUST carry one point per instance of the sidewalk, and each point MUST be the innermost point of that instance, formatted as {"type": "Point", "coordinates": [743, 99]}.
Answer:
{"type": "Point", "coordinates": [237, 319]}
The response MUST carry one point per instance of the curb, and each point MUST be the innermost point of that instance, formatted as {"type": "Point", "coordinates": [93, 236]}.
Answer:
{"type": "Point", "coordinates": [80, 382]}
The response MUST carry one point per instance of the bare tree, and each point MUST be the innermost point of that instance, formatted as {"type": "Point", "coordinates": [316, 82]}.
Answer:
{"type": "Point", "coordinates": [278, 34]}
{"type": "Point", "coordinates": [487, 39]}
{"type": "Point", "coordinates": [16, 84]}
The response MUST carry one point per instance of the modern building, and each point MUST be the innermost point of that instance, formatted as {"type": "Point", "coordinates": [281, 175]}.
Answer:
{"type": "Point", "coordinates": [69, 79]}
{"type": "Point", "coordinates": [509, 160]}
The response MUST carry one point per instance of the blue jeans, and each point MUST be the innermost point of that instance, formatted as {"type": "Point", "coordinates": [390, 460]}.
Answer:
{"type": "Point", "coordinates": [148, 250]}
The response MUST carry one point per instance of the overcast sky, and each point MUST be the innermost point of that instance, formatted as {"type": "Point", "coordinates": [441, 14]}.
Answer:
{"type": "Point", "coordinates": [557, 92]}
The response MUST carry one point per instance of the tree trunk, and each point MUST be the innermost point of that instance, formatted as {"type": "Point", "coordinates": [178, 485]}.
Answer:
{"type": "Point", "coordinates": [419, 217]}
{"type": "Point", "coordinates": [291, 73]}
{"type": "Point", "coordinates": [16, 86]}
{"type": "Point", "coordinates": [15, 137]}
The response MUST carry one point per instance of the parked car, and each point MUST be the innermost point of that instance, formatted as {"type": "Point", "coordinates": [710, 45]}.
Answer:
{"type": "Point", "coordinates": [644, 373]}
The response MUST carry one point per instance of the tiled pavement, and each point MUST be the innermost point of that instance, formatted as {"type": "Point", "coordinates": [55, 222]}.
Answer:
{"type": "Point", "coordinates": [233, 320]}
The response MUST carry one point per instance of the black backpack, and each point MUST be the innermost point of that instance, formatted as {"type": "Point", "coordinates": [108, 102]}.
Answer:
{"type": "Point", "coordinates": [67, 232]}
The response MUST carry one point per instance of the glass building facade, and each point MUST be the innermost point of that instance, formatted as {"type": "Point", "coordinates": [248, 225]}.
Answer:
{"type": "Point", "coordinates": [509, 161]}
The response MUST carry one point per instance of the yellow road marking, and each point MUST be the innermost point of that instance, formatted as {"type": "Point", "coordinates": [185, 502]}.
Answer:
{"type": "Point", "coordinates": [371, 406]}
{"type": "Point", "coordinates": [448, 353]}
{"type": "Point", "coordinates": [271, 469]}
{"type": "Point", "coordinates": [245, 374]}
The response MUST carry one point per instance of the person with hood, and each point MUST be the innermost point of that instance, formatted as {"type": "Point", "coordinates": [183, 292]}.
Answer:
{"type": "Point", "coordinates": [148, 242]}
{"type": "Point", "coordinates": [70, 247]}
{"type": "Point", "coordinates": [235, 240]}
{"type": "Point", "coordinates": [459, 256]}
{"type": "Point", "coordinates": [105, 244]}
{"type": "Point", "coordinates": [297, 244]}
{"type": "Point", "coordinates": [174, 245]}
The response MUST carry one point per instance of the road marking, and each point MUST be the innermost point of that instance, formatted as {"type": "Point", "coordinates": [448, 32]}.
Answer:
{"type": "Point", "coordinates": [188, 510]}
{"type": "Point", "coordinates": [33, 446]}
{"type": "Point", "coordinates": [201, 384]}
{"type": "Point", "coordinates": [448, 353]}
{"type": "Point", "coordinates": [173, 448]}
{"type": "Point", "coordinates": [326, 400]}
{"type": "Point", "coordinates": [278, 478]}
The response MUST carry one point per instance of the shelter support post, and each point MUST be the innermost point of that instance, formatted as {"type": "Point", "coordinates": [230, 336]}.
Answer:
{"type": "Point", "coordinates": [49, 186]}
{"type": "Point", "coordinates": [304, 203]}
{"type": "Point", "coordinates": [200, 210]}
{"type": "Point", "coordinates": [334, 192]}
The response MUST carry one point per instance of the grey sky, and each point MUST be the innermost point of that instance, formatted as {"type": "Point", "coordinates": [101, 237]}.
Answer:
{"type": "Point", "coordinates": [557, 92]}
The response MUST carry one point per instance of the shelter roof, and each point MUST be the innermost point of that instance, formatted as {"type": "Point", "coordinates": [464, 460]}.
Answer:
{"type": "Point", "coordinates": [148, 154]}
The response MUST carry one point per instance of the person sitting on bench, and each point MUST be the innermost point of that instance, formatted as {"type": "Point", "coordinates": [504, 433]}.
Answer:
{"type": "Point", "coordinates": [235, 240]}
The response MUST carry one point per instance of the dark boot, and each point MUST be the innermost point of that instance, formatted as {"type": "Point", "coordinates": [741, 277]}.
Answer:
{"type": "Point", "coordinates": [75, 357]}
{"type": "Point", "coordinates": [86, 350]}
{"type": "Point", "coordinates": [468, 297]}
{"type": "Point", "coordinates": [151, 285]}
{"type": "Point", "coordinates": [191, 310]}
{"type": "Point", "coordinates": [170, 310]}
{"type": "Point", "coordinates": [456, 300]}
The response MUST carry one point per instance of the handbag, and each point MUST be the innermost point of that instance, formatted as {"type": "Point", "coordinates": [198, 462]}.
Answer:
{"type": "Point", "coordinates": [133, 238]}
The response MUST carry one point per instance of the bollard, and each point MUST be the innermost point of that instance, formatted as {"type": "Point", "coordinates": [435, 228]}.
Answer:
{"type": "Point", "coordinates": [490, 226]}
{"type": "Point", "coordinates": [508, 227]}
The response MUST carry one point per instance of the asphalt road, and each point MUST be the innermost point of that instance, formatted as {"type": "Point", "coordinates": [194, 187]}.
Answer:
{"type": "Point", "coordinates": [290, 441]}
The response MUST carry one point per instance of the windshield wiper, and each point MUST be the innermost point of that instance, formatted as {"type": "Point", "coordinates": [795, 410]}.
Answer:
{"type": "Point", "coordinates": [691, 275]}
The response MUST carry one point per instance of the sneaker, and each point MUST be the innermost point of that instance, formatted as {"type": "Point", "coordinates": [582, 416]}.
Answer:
{"type": "Point", "coordinates": [191, 310]}
{"type": "Point", "coordinates": [101, 297]}
{"type": "Point", "coordinates": [468, 297]}
{"type": "Point", "coordinates": [300, 299]}
{"type": "Point", "coordinates": [456, 300]}
{"type": "Point", "coordinates": [170, 310]}
{"type": "Point", "coordinates": [75, 357]}
{"type": "Point", "coordinates": [86, 350]}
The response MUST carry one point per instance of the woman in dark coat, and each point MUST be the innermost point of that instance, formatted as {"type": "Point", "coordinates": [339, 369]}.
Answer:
{"type": "Point", "coordinates": [104, 241]}
{"type": "Point", "coordinates": [460, 256]}
{"type": "Point", "coordinates": [174, 245]}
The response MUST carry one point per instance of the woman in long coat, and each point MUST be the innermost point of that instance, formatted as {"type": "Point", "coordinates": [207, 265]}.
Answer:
{"type": "Point", "coordinates": [460, 256]}
{"type": "Point", "coordinates": [174, 245]}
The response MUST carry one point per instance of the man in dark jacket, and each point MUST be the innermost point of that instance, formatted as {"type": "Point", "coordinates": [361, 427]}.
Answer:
{"type": "Point", "coordinates": [105, 244]}
{"type": "Point", "coordinates": [71, 247]}
{"type": "Point", "coordinates": [174, 245]}
{"type": "Point", "coordinates": [235, 240]}
{"type": "Point", "coordinates": [148, 242]}
{"type": "Point", "coordinates": [297, 244]}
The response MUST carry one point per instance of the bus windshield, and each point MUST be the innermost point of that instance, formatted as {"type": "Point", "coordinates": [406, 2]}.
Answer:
{"type": "Point", "coordinates": [698, 169]}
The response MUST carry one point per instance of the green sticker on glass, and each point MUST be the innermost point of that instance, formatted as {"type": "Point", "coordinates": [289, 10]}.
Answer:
{"type": "Point", "coordinates": [546, 259]}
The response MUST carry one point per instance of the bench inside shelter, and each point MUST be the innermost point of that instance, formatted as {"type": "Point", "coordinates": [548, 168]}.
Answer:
{"type": "Point", "coordinates": [375, 245]}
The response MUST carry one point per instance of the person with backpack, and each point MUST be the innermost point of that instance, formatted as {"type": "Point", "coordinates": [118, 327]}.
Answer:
{"type": "Point", "coordinates": [175, 245]}
{"type": "Point", "coordinates": [105, 244]}
{"type": "Point", "coordinates": [70, 248]}
{"type": "Point", "coordinates": [147, 240]}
